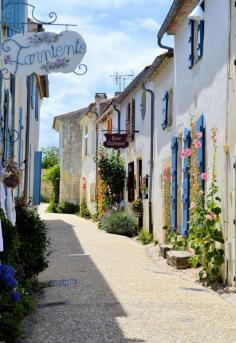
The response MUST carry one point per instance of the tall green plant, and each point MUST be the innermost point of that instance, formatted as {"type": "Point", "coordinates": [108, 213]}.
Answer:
{"type": "Point", "coordinates": [112, 172]}
{"type": "Point", "coordinates": [204, 224]}
{"type": "Point", "coordinates": [53, 175]}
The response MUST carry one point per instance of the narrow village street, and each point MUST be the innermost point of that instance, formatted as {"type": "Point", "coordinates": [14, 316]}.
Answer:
{"type": "Point", "coordinates": [117, 293]}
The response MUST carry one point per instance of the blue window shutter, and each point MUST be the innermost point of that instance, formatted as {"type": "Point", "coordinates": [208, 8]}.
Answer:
{"type": "Point", "coordinates": [7, 136]}
{"type": "Point", "coordinates": [13, 15]}
{"type": "Point", "coordinates": [191, 43]}
{"type": "Point", "coordinates": [174, 184]}
{"type": "Point", "coordinates": [0, 107]}
{"type": "Point", "coordinates": [186, 186]}
{"type": "Point", "coordinates": [201, 26]}
{"type": "Point", "coordinates": [165, 111]}
{"type": "Point", "coordinates": [37, 177]}
{"type": "Point", "coordinates": [200, 126]}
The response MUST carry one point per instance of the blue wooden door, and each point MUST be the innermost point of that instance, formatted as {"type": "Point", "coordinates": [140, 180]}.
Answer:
{"type": "Point", "coordinates": [186, 186]}
{"type": "Point", "coordinates": [174, 183]}
{"type": "Point", "coordinates": [37, 177]}
{"type": "Point", "coordinates": [13, 15]}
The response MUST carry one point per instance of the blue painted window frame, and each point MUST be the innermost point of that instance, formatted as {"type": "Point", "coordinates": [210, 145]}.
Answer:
{"type": "Point", "coordinates": [174, 183]}
{"type": "Point", "coordinates": [37, 177]}
{"type": "Point", "coordinates": [191, 43]}
{"type": "Point", "coordinates": [186, 186]}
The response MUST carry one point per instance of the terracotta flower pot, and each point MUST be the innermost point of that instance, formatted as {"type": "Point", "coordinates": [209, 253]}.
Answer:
{"type": "Point", "coordinates": [10, 182]}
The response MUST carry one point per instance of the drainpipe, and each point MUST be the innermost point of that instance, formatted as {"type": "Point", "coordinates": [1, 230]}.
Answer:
{"type": "Point", "coordinates": [151, 156]}
{"type": "Point", "coordinates": [226, 221]}
{"type": "Point", "coordinates": [159, 39]}
{"type": "Point", "coordinates": [119, 116]}
{"type": "Point", "coordinates": [96, 153]}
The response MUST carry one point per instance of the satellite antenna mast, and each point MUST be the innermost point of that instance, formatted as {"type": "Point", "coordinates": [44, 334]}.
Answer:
{"type": "Point", "coordinates": [122, 78]}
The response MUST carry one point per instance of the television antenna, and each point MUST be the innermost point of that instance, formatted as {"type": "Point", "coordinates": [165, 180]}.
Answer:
{"type": "Point", "coordinates": [120, 79]}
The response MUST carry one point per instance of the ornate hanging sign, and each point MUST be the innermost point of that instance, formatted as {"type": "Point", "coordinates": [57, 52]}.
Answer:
{"type": "Point", "coordinates": [43, 53]}
{"type": "Point", "coordinates": [116, 141]}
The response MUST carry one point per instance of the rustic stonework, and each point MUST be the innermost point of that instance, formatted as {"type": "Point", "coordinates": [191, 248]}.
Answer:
{"type": "Point", "coordinates": [178, 259]}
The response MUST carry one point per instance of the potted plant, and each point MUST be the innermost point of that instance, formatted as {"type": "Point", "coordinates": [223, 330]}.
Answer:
{"type": "Point", "coordinates": [11, 174]}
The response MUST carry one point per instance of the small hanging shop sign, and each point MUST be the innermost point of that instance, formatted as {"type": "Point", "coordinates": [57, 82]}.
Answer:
{"type": "Point", "coordinates": [116, 141]}
{"type": "Point", "coordinates": [42, 53]}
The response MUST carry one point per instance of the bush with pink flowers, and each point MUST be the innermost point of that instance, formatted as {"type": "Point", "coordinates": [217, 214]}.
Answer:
{"type": "Point", "coordinates": [205, 214]}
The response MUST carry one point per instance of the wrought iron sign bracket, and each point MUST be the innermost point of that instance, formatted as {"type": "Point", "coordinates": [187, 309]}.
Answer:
{"type": "Point", "coordinates": [6, 45]}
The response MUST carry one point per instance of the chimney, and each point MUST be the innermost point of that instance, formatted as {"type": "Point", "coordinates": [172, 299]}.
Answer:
{"type": "Point", "coordinates": [100, 96]}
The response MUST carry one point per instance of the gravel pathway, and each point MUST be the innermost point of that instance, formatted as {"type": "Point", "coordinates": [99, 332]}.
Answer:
{"type": "Point", "coordinates": [115, 293]}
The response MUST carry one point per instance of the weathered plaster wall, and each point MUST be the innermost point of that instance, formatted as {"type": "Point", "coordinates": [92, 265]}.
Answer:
{"type": "Point", "coordinates": [70, 159]}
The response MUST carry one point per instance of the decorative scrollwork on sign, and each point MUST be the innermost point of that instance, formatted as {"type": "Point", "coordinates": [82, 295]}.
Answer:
{"type": "Point", "coordinates": [8, 14]}
{"type": "Point", "coordinates": [84, 70]}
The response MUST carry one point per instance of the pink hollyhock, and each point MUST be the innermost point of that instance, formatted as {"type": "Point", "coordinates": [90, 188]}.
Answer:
{"type": "Point", "coordinates": [188, 152]}
{"type": "Point", "coordinates": [197, 144]}
{"type": "Point", "coordinates": [192, 205]}
{"type": "Point", "coordinates": [212, 216]}
{"type": "Point", "coordinates": [183, 153]}
{"type": "Point", "coordinates": [198, 134]}
{"type": "Point", "coordinates": [204, 176]}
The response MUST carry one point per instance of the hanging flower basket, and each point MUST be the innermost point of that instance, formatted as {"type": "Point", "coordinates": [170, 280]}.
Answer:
{"type": "Point", "coordinates": [12, 175]}
{"type": "Point", "coordinates": [10, 182]}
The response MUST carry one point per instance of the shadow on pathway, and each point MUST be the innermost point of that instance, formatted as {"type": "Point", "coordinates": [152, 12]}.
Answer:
{"type": "Point", "coordinates": [82, 313]}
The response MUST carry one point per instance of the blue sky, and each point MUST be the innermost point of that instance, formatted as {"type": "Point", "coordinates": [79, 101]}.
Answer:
{"type": "Point", "coordinates": [120, 37]}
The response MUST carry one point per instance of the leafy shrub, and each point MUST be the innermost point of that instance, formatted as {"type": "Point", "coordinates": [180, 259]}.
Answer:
{"type": "Point", "coordinates": [44, 199]}
{"type": "Point", "coordinates": [52, 207]}
{"type": "Point", "coordinates": [84, 211]}
{"type": "Point", "coordinates": [95, 216]}
{"type": "Point", "coordinates": [10, 255]}
{"type": "Point", "coordinates": [145, 237]}
{"type": "Point", "coordinates": [67, 207]}
{"type": "Point", "coordinates": [120, 223]}
{"type": "Point", "coordinates": [33, 238]}
{"type": "Point", "coordinates": [178, 242]}
{"type": "Point", "coordinates": [53, 175]}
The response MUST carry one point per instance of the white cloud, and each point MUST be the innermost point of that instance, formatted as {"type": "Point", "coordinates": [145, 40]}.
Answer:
{"type": "Point", "coordinates": [140, 23]}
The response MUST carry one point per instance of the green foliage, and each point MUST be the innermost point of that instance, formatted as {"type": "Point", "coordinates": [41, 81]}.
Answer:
{"type": "Point", "coordinates": [112, 172]}
{"type": "Point", "coordinates": [84, 211]}
{"type": "Point", "coordinates": [67, 207]}
{"type": "Point", "coordinates": [34, 243]}
{"type": "Point", "coordinates": [177, 241]}
{"type": "Point", "coordinates": [137, 206]}
{"type": "Point", "coordinates": [120, 223]}
{"type": "Point", "coordinates": [44, 199]}
{"type": "Point", "coordinates": [205, 234]}
{"type": "Point", "coordinates": [10, 255]}
{"type": "Point", "coordinates": [50, 157]}
{"type": "Point", "coordinates": [25, 248]}
{"type": "Point", "coordinates": [11, 314]}
{"type": "Point", "coordinates": [95, 216]}
{"type": "Point", "coordinates": [145, 237]}
{"type": "Point", "coordinates": [53, 175]}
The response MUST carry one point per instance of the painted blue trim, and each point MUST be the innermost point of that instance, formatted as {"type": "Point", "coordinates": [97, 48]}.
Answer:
{"type": "Point", "coordinates": [1, 119]}
{"type": "Point", "coordinates": [191, 44]}
{"type": "Point", "coordinates": [13, 15]}
{"type": "Point", "coordinates": [174, 183]}
{"type": "Point", "coordinates": [200, 126]}
{"type": "Point", "coordinates": [37, 177]}
{"type": "Point", "coordinates": [165, 108]}
{"type": "Point", "coordinates": [186, 187]}
{"type": "Point", "coordinates": [36, 107]}
{"type": "Point", "coordinates": [7, 136]}
{"type": "Point", "coordinates": [20, 128]}
{"type": "Point", "coordinates": [201, 26]}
